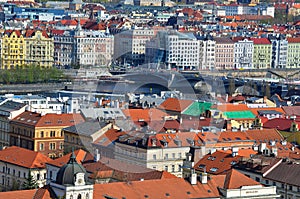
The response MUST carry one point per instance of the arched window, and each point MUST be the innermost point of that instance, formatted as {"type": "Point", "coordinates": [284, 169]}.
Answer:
{"type": "Point", "coordinates": [71, 196]}
{"type": "Point", "coordinates": [79, 196]}
{"type": "Point", "coordinates": [87, 196]}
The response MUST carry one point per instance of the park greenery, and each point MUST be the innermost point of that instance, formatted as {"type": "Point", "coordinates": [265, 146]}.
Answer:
{"type": "Point", "coordinates": [30, 74]}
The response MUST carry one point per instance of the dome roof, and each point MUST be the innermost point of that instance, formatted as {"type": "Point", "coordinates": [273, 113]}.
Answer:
{"type": "Point", "coordinates": [66, 174]}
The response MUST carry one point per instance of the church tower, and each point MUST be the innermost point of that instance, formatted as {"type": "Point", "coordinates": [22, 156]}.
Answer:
{"type": "Point", "coordinates": [71, 181]}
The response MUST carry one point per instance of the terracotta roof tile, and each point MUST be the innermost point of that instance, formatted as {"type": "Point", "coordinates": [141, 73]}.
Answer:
{"type": "Point", "coordinates": [264, 135]}
{"type": "Point", "coordinates": [22, 194]}
{"type": "Point", "coordinates": [145, 115]}
{"type": "Point", "coordinates": [281, 124]}
{"type": "Point", "coordinates": [64, 119]}
{"type": "Point", "coordinates": [51, 119]}
{"type": "Point", "coordinates": [232, 107]}
{"type": "Point", "coordinates": [293, 39]}
{"type": "Point", "coordinates": [59, 162]}
{"type": "Point", "coordinates": [235, 180]}
{"type": "Point", "coordinates": [258, 41]}
{"type": "Point", "coordinates": [217, 162]}
{"type": "Point", "coordinates": [23, 157]}
{"type": "Point", "coordinates": [176, 105]}
{"type": "Point", "coordinates": [158, 189]}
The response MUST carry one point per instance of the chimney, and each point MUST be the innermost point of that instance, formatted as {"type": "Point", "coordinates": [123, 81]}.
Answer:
{"type": "Point", "coordinates": [235, 151]}
{"type": "Point", "coordinates": [203, 178]}
{"type": "Point", "coordinates": [193, 178]}
{"type": "Point", "coordinates": [262, 147]}
{"type": "Point", "coordinates": [228, 126]}
{"type": "Point", "coordinates": [96, 155]}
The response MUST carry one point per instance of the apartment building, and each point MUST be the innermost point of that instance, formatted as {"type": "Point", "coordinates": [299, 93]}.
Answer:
{"type": "Point", "coordinates": [26, 47]}
{"type": "Point", "coordinates": [279, 51]}
{"type": "Point", "coordinates": [64, 47]}
{"type": "Point", "coordinates": [243, 53]}
{"type": "Point", "coordinates": [39, 49]}
{"type": "Point", "coordinates": [13, 49]}
{"type": "Point", "coordinates": [92, 48]}
{"type": "Point", "coordinates": [293, 54]}
{"type": "Point", "coordinates": [262, 53]}
{"type": "Point", "coordinates": [8, 111]}
{"type": "Point", "coordinates": [224, 53]}
{"type": "Point", "coordinates": [82, 47]}
{"type": "Point", "coordinates": [41, 133]}
{"type": "Point", "coordinates": [208, 53]}
{"type": "Point", "coordinates": [37, 103]}
{"type": "Point", "coordinates": [130, 45]}
{"type": "Point", "coordinates": [162, 152]}
{"type": "Point", "coordinates": [16, 164]}
{"type": "Point", "coordinates": [271, 171]}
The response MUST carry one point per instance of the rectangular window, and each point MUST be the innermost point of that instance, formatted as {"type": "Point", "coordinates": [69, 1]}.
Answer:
{"type": "Point", "coordinates": [179, 168]}
{"type": "Point", "coordinates": [61, 145]}
{"type": "Point", "coordinates": [173, 168]}
{"type": "Point", "coordinates": [173, 155]}
{"type": "Point", "coordinates": [52, 146]}
{"type": "Point", "coordinates": [166, 156]}
{"type": "Point", "coordinates": [52, 133]}
{"type": "Point", "coordinates": [154, 157]}
{"type": "Point", "coordinates": [41, 146]}
{"type": "Point", "coordinates": [50, 175]}
{"type": "Point", "coordinates": [42, 134]}
{"type": "Point", "coordinates": [166, 168]}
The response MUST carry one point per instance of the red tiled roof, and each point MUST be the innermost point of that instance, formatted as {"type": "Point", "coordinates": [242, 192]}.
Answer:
{"type": "Point", "coordinates": [21, 194]}
{"type": "Point", "coordinates": [281, 124]}
{"type": "Point", "coordinates": [109, 136]}
{"type": "Point", "coordinates": [166, 188]}
{"type": "Point", "coordinates": [264, 135]}
{"type": "Point", "coordinates": [68, 22]}
{"type": "Point", "coordinates": [235, 180]}
{"type": "Point", "coordinates": [232, 107]}
{"type": "Point", "coordinates": [59, 162]}
{"type": "Point", "coordinates": [51, 119]}
{"type": "Point", "coordinates": [23, 157]}
{"type": "Point", "coordinates": [174, 104]}
{"type": "Point", "coordinates": [258, 41]}
{"type": "Point", "coordinates": [145, 115]}
{"type": "Point", "coordinates": [293, 39]}
{"type": "Point", "coordinates": [57, 32]}
{"type": "Point", "coordinates": [221, 160]}
{"type": "Point", "coordinates": [291, 110]}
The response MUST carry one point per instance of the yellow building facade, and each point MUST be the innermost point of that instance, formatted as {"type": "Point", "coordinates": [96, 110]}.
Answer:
{"type": "Point", "coordinates": [39, 50]}
{"type": "Point", "coordinates": [13, 50]}
{"type": "Point", "coordinates": [26, 48]}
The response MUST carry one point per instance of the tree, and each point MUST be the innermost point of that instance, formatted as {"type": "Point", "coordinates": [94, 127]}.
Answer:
{"type": "Point", "coordinates": [15, 185]}
{"type": "Point", "coordinates": [30, 182]}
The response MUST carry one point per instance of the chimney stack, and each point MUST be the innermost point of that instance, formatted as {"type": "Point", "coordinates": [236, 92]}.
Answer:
{"type": "Point", "coordinates": [96, 155]}
{"type": "Point", "coordinates": [193, 178]}
{"type": "Point", "coordinates": [203, 178]}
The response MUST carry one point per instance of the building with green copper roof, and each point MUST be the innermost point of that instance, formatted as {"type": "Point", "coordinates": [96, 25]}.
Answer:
{"type": "Point", "coordinates": [238, 115]}
{"type": "Point", "coordinates": [197, 108]}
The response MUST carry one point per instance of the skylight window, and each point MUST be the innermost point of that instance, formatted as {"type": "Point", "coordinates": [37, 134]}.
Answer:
{"type": "Point", "coordinates": [213, 169]}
